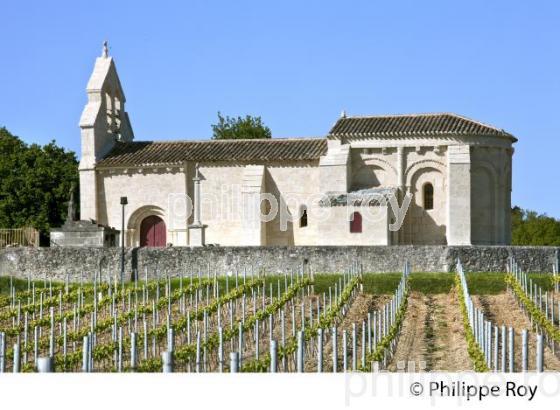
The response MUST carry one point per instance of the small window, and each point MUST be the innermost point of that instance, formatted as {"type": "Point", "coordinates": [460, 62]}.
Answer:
{"type": "Point", "coordinates": [303, 217]}
{"type": "Point", "coordinates": [428, 196]}
{"type": "Point", "coordinates": [356, 223]}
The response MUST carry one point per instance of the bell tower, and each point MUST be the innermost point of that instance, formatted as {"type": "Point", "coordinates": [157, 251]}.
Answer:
{"type": "Point", "coordinates": [104, 121]}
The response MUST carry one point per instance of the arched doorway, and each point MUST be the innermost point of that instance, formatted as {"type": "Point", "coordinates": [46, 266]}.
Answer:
{"type": "Point", "coordinates": [152, 232]}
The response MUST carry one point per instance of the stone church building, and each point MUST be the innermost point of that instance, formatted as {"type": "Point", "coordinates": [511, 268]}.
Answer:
{"type": "Point", "coordinates": [330, 190]}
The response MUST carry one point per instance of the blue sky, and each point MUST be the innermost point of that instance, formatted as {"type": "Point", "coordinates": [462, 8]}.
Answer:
{"type": "Point", "coordinates": [295, 63]}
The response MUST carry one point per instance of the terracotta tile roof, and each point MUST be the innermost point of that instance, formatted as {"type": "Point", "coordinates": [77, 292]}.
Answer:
{"type": "Point", "coordinates": [412, 125]}
{"type": "Point", "coordinates": [176, 152]}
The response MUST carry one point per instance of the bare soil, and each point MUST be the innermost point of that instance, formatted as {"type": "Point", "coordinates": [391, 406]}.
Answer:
{"type": "Point", "coordinates": [358, 311]}
{"type": "Point", "coordinates": [360, 307]}
{"type": "Point", "coordinates": [432, 337]}
{"type": "Point", "coordinates": [503, 309]}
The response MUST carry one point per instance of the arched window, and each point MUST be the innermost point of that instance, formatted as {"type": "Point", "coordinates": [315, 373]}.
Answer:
{"type": "Point", "coordinates": [356, 223]}
{"type": "Point", "coordinates": [428, 196]}
{"type": "Point", "coordinates": [303, 216]}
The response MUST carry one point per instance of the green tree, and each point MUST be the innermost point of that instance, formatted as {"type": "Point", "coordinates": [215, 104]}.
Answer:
{"type": "Point", "coordinates": [35, 183]}
{"type": "Point", "coordinates": [230, 128]}
{"type": "Point", "coordinates": [530, 228]}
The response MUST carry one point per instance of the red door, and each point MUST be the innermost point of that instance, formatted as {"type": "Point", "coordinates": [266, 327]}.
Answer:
{"type": "Point", "coordinates": [152, 231]}
{"type": "Point", "coordinates": [356, 223]}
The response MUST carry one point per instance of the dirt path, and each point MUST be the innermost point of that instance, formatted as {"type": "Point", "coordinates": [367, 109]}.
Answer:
{"type": "Point", "coordinates": [432, 337]}
{"type": "Point", "coordinates": [359, 308]}
{"type": "Point", "coordinates": [503, 309]}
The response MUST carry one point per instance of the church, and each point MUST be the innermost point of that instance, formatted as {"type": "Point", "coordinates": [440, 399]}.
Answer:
{"type": "Point", "coordinates": [419, 179]}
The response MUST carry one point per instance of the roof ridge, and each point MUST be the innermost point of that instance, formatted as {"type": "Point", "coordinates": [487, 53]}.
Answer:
{"type": "Point", "coordinates": [419, 114]}
{"type": "Point", "coordinates": [412, 124]}
{"type": "Point", "coordinates": [425, 114]}
{"type": "Point", "coordinates": [484, 124]}
{"type": "Point", "coordinates": [173, 152]}
{"type": "Point", "coordinates": [275, 139]}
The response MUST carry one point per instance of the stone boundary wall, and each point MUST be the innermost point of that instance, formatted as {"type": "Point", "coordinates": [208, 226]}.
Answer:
{"type": "Point", "coordinates": [57, 262]}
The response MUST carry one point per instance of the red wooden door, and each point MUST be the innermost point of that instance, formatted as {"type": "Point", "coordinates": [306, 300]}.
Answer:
{"type": "Point", "coordinates": [356, 223]}
{"type": "Point", "coordinates": [152, 232]}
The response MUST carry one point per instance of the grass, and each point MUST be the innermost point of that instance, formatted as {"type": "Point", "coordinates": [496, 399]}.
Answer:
{"type": "Point", "coordinates": [431, 283]}
{"type": "Point", "coordinates": [424, 282]}
{"type": "Point", "coordinates": [542, 279]}
{"type": "Point", "coordinates": [381, 283]}
{"type": "Point", "coordinates": [480, 283]}
{"type": "Point", "coordinates": [490, 283]}
{"type": "Point", "coordinates": [324, 281]}
{"type": "Point", "coordinates": [19, 284]}
{"type": "Point", "coordinates": [486, 283]}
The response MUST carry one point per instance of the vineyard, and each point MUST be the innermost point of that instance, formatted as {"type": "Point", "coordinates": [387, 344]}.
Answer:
{"type": "Point", "coordinates": [294, 322]}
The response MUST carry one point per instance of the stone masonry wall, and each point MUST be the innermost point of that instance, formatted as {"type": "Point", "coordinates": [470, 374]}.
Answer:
{"type": "Point", "coordinates": [57, 262]}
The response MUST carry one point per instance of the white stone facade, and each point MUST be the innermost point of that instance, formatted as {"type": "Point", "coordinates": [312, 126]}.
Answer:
{"type": "Point", "coordinates": [457, 170]}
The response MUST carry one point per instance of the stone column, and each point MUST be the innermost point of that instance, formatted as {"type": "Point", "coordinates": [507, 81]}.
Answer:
{"type": "Point", "coordinates": [197, 229]}
{"type": "Point", "coordinates": [180, 207]}
{"type": "Point", "coordinates": [253, 228]}
{"type": "Point", "coordinates": [507, 193]}
{"type": "Point", "coordinates": [401, 167]}
{"type": "Point", "coordinates": [458, 195]}
{"type": "Point", "coordinates": [196, 180]}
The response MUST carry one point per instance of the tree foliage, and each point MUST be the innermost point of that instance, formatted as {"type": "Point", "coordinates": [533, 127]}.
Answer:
{"type": "Point", "coordinates": [229, 128]}
{"type": "Point", "coordinates": [531, 228]}
{"type": "Point", "coordinates": [35, 183]}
